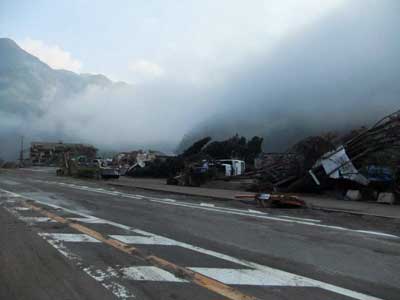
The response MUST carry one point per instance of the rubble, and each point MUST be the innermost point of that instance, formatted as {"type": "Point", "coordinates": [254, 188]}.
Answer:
{"type": "Point", "coordinates": [142, 163]}
{"type": "Point", "coordinates": [52, 154]}
{"type": "Point", "coordinates": [275, 200]}
{"type": "Point", "coordinates": [281, 169]}
{"type": "Point", "coordinates": [205, 161]}
{"type": "Point", "coordinates": [364, 158]}
{"type": "Point", "coordinates": [347, 160]}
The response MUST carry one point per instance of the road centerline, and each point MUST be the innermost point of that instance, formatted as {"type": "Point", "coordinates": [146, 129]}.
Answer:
{"type": "Point", "coordinates": [187, 274]}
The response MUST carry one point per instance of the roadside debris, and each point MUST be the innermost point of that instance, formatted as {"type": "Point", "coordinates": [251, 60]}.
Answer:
{"type": "Point", "coordinates": [207, 161]}
{"type": "Point", "coordinates": [275, 200]}
{"type": "Point", "coordinates": [365, 160]}
{"type": "Point", "coordinates": [52, 154]}
{"type": "Point", "coordinates": [86, 167]}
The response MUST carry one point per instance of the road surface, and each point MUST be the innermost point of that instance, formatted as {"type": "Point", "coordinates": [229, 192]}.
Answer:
{"type": "Point", "coordinates": [63, 238]}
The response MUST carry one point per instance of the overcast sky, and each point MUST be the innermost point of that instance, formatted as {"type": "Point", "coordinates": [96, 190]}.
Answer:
{"type": "Point", "coordinates": [283, 69]}
{"type": "Point", "coordinates": [136, 41]}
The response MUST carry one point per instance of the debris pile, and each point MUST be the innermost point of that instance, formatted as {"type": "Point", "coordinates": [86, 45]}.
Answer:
{"type": "Point", "coordinates": [275, 200]}
{"type": "Point", "coordinates": [142, 163]}
{"type": "Point", "coordinates": [278, 170]}
{"type": "Point", "coordinates": [366, 157]}
{"type": "Point", "coordinates": [52, 154]}
{"type": "Point", "coordinates": [205, 160]}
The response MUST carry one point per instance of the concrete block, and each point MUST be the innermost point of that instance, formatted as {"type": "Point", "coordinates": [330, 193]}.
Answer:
{"type": "Point", "coordinates": [354, 195]}
{"type": "Point", "coordinates": [387, 198]}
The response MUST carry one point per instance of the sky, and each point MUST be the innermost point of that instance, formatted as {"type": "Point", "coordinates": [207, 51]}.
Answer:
{"type": "Point", "coordinates": [136, 41]}
{"type": "Point", "coordinates": [282, 69]}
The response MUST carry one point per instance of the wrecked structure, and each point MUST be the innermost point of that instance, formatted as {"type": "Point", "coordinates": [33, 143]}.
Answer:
{"type": "Point", "coordinates": [129, 162]}
{"type": "Point", "coordinates": [52, 154]}
{"type": "Point", "coordinates": [364, 159]}
{"type": "Point", "coordinates": [205, 161]}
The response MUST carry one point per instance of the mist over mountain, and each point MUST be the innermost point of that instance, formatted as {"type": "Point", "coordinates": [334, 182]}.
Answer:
{"type": "Point", "coordinates": [41, 103]}
{"type": "Point", "coordinates": [26, 83]}
{"type": "Point", "coordinates": [28, 88]}
{"type": "Point", "coordinates": [339, 73]}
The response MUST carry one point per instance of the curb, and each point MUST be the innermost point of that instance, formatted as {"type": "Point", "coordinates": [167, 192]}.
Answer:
{"type": "Point", "coordinates": [171, 192]}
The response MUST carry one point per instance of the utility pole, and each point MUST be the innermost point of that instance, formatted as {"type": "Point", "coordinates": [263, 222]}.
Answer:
{"type": "Point", "coordinates": [21, 153]}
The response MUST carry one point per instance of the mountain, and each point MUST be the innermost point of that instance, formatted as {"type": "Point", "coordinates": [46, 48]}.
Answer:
{"type": "Point", "coordinates": [29, 88]}
{"type": "Point", "coordinates": [27, 84]}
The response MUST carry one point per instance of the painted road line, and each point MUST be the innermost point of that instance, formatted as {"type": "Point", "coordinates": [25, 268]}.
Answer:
{"type": "Point", "coordinates": [69, 237]}
{"type": "Point", "coordinates": [207, 204]}
{"type": "Point", "coordinates": [300, 219]}
{"type": "Point", "coordinates": [167, 201]}
{"type": "Point", "coordinates": [22, 208]}
{"type": "Point", "coordinates": [196, 278]}
{"type": "Point", "coordinates": [32, 220]}
{"type": "Point", "coordinates": [249, 277]}
{"type": "Point", "coordinates": [245, 213]}
{"type": "Point", "coordinates": [277, 274]}
{"type": "Point", "coordinates": [143, 240]}
{"type": "Point", "coordinates": [105, 277]}
{"type": "Point", "coordinates": [215, 209]}
{"type": "Point", "coordinates": [141, 197]}
{"type": "Point", "coordinates": [92, 220]}
{"type": "Point", "coordinates": [150, 273]}
{"type": "Point", "coordinates": [9, 182]}
{"type": "Point", "coordinates": [257, 212]}
{"type": "Point", "coordinates": [268, 271]}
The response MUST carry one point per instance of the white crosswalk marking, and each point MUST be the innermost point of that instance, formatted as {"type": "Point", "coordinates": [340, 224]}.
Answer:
{"type": "Point", "coordinates": [249, 277]}
{"type": "Point", "coordinates": [22, 208]}
{"type": "Point", "coordinates": [36, 219]}
{"type": "Point", "coordinates": [251, 273]}
{"type": "Point", "coordinates": [144, 240]}
{"type": "Point", "coordinates": [70, 237]}
{"type": "Point", "coordinates": [149, 273]}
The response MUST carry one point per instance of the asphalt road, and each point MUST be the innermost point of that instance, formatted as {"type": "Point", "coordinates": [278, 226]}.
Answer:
{"type": "Point", "coordinates": [63, 238]}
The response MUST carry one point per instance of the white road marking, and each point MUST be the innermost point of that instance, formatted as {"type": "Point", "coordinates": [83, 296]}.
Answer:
{"type": "Point", "coordinates": [105, 277]}
{"type": "Point", "coordinates": [22, 208]}
{"type": "Point", "coordinates": [32, 220]}
{"type": "Point", "coordinates": [69, 237]}
{"type": "Point", "coordinates": [207, 204]}
{"type": "Point", "coordinates": [88, 220]}
{"type": "Point", "coordinates": [9, 182]}
{"type": "Point", "coordinates": [301, 219]}
{"type": "Point", "coordinates": [309, 222]}
{"type": "Point", "coordinates": [150, 273]}
{"type": "Point", "coordinates": [271, 273]}
{"type": "Point", "coordinates": [249, 277]}
{"type": "Point", "coordinates": [143, 240]}
{"type": "Point", "coordinates": [168, 201]}
{"type": "Point", "coordinates": [257, 212]}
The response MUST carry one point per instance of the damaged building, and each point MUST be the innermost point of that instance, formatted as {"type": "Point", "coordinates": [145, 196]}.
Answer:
{"type": "Point", "coordinates": [52, 154]}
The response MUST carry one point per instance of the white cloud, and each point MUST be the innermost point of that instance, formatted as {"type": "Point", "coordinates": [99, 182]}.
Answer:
{"type": "Point", "coordinates": [147, 69]}
{"type": "Point", "coordinates": [52, 55]}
